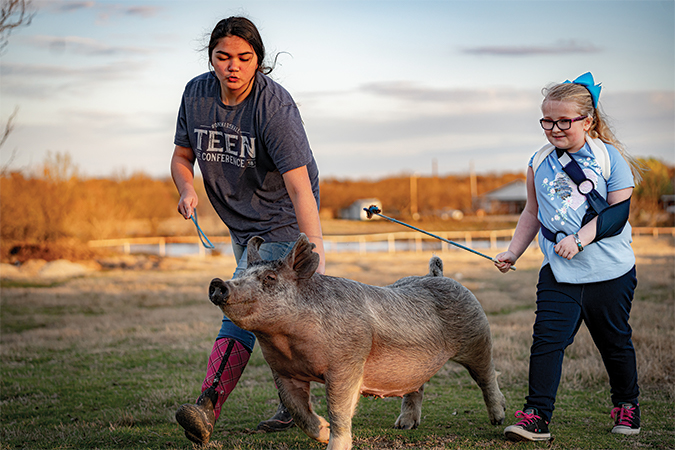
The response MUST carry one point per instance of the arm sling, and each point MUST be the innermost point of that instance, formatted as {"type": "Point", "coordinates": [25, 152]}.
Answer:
{"type": "Point", "coordinates": [611, 218]}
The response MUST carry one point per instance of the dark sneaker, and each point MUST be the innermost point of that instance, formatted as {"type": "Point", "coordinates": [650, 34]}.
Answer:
{"type": "Point", "coordinates": [532, 427]}
{"type": "Point", "coordinates": [626, 419]}
{"type": "Point", "coordinates": [281, 421]}
{"type": "Point", "coordinates": [198, 420]}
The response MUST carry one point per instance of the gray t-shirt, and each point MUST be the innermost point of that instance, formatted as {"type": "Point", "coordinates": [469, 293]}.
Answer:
{"type": "Point", "coordinates": [243, 151]}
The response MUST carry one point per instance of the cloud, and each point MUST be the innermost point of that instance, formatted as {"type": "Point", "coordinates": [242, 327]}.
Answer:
{"type": "Point", "coordinates": [145, 12]}
{"type": "Point", "coordinates": [67, 6]}
{"type": "Point", "coordinates": [497, 128]}
{"type": "Point", "coordinates": [28, 81]}
{"type": "Point", "coordinates": [391, 102]}
{"type": "Point", "coordinates": [111, 11]}
{"type": "Point", "coordinates": [105, 10]}
{"type": "Point", "coordinates": [82, 46]}
{"type": "Point", "coordinates": [559, 48]}
{"type": "Point", "coordinates": [404, 90]}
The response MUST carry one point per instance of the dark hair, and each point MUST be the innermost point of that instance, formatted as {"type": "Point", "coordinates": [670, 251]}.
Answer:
{"type": "Point", "coordinates": [245, 29]}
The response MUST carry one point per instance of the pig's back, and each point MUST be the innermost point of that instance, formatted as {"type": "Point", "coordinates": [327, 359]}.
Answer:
{"type": "Point", "coordinates": [448, 310]}
{"type": "Point", "coordinates": [418, 312]}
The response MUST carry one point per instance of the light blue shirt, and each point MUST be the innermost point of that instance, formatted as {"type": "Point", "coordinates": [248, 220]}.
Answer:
{"type": "Point", "coordinates": [562, 208]}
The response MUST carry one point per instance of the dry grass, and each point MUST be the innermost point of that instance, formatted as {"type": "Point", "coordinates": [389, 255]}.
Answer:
{"type": "Point", "coordinates": [154, 324]}
{"type": "Point", "coordinates": [169, 307]}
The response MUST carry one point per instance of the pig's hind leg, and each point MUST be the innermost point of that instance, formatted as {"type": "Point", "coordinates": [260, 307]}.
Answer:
{"type": "Point", "coordinates": [411, 410]}
{"type": "Point", "coordinates": [477, 358]}
{"type": "Point", "coordinates": [295, 395]}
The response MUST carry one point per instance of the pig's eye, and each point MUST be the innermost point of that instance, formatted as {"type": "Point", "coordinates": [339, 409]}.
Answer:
{"type": "Point", "coordinates": [269, 279]}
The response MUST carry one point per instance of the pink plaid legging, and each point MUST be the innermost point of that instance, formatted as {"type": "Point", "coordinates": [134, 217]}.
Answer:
{"type": "Point", "coordinates": [231, 374]}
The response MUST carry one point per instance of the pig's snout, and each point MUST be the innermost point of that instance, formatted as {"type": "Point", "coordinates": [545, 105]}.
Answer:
{"type": "Point", "coordinates": [218, 292]}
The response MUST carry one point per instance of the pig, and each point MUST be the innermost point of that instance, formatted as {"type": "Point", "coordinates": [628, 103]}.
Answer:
{"type": "Point", "coordinates": [356, 338]}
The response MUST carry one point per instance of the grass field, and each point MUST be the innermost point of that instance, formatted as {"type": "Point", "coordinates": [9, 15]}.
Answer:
{"type": "Point", "coordinates": [103, 361]}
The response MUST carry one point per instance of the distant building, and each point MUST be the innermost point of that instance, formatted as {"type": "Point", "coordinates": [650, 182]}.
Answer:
{"type": "Point", "coordinates": [508, 199]}
{"type": "Point", "coordinates": [356, 211]}
{"type": "Point", "coordinates": [668, 203]}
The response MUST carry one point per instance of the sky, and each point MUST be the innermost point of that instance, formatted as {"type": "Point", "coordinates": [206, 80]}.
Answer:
{"type": "Point", "coordinates": [384, 87]}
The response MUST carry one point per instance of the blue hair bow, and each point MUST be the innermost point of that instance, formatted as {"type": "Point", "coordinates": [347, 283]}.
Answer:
{"type": "Point", "coordinates": [586, 80]}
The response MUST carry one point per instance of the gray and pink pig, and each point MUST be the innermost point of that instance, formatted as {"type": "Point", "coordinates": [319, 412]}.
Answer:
{"type": "Point", "coordinates": [355, 338]}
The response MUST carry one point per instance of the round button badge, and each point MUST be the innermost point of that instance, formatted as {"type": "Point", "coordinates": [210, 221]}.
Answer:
{"type": "Point", "coordinates": [586, 186]}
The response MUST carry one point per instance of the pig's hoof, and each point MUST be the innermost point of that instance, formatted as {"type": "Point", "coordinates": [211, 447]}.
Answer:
{"type": "Point", "coordinates": [498, 411]}
{"type": "Point", "coordinates": [324, 431]}
{"type": "Point", "coordinates": [497, 420]}
{"type": "Point", "coordinates": [406, 422]}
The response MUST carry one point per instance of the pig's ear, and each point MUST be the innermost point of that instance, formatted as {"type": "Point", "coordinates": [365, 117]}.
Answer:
{"type": "Point", "coordinates": [302, 259]}
{"type": "Point", "coordinates": [252, 249]}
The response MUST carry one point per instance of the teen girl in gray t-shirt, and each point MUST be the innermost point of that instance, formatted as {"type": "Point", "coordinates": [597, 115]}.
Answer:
{"type": "Point", "coordinates": [246, 134]}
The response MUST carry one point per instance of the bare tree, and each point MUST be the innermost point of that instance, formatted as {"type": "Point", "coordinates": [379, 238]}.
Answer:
{"type": "Point", "coordinates": [14, 14]}
{"type": "Point", "coordinates": [9, 126]}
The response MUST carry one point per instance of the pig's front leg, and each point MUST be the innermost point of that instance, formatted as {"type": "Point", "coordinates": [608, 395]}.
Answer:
{"type": "Point", "coordinates": [342, 395]}
{"type": "Point", "coordinates": [296, 396]}
{"type": "Point", "coordinates": [411, 410]}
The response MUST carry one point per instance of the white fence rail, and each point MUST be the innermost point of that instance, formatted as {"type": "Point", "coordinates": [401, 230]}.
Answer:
{"type": "Point", "coordinates": [390, 242]}
{"type": "Point", "coordinates": [414, 241]}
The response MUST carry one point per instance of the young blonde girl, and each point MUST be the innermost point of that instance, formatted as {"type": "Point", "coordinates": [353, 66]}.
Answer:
{"type": "Point", "coordinates": [578, 197]}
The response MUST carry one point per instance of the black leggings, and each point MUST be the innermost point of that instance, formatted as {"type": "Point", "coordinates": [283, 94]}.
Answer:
{"type": "Point", "coordinates": [605, 309]}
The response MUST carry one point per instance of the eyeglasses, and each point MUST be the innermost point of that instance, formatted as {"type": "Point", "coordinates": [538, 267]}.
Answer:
{"type": "Point", "coordinates": [563, 124]}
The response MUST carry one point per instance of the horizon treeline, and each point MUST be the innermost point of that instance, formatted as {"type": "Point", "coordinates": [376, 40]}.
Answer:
{"type": "Point", "coordinates": [53, 202]}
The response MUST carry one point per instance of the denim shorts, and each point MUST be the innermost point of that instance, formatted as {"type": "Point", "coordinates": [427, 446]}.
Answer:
{"type": "Point", "coordinates": [269, 251]}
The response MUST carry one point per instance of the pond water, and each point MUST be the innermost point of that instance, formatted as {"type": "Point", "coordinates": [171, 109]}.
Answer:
{"type": "Point", "coordinates": [403, 245]}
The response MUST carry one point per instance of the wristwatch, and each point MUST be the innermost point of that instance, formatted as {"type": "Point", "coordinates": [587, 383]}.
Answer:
{"type": "Point", "coordinates": [578, 241]}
